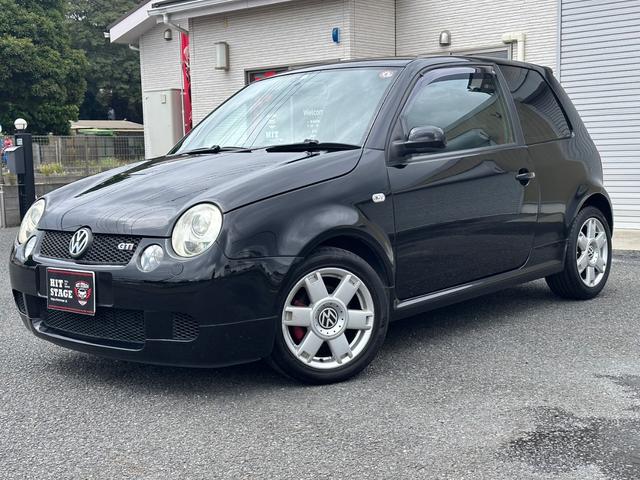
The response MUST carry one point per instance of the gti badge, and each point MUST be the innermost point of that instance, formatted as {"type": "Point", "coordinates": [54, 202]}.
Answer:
{"type": "Point", "coordinates": [126, 246]}
{"type": "Point", "coordinates": [80, 242]}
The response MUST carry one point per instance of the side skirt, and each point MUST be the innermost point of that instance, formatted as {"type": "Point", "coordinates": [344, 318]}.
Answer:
{"type": "Point", "coordinates": [431, 301]}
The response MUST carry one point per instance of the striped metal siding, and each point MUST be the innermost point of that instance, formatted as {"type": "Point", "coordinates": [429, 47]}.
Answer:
{"type": "Point", "coordinates": [600, 70]}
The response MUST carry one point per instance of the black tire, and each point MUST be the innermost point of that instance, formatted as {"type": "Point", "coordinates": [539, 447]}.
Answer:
{"type": "Point", "coordinates": [283, 360]}
{"type": "Point", "coordinates": [568, 283]}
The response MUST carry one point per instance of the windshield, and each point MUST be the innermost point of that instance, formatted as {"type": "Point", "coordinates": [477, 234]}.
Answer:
{"type": "Point", "coordinates": [327, 106]}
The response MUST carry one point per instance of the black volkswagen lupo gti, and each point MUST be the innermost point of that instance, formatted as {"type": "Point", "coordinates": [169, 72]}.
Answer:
{"type": "Point", "coordinates": [312, 208]}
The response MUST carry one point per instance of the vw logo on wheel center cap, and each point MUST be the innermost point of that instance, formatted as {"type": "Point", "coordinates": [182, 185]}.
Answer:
{"type": "Point", "coordinates": [80, 242]}
{"type": "Point", "coordinates": [330, 319]}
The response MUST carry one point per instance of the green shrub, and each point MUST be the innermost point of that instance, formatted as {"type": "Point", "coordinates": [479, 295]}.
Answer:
{"type": "Point", "coordinates": [48, 169]}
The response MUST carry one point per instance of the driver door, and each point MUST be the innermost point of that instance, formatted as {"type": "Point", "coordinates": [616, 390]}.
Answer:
{"type": "Point", "coordinates": [461, 214]}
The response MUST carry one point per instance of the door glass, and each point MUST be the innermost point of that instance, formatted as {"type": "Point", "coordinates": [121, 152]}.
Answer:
{"type": "Point", "coordinates": [465, 102]}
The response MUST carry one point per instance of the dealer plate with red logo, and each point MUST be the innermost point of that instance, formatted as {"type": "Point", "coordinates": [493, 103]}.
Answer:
{"type": "Point", "coordinates": [71, 291]}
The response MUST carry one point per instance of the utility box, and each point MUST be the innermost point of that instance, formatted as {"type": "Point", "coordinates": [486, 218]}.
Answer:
{"type": "Point", "coordinates": [15, 160]}
{"type": "Point", "coordinates": [163, 125]}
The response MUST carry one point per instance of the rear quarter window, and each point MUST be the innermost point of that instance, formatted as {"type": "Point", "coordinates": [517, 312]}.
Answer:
{"type": "Point", "coordinates": [541, 115]}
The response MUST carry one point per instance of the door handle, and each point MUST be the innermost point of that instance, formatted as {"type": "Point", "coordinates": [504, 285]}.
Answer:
{"type": "Point", "coordinates": [524, 176]}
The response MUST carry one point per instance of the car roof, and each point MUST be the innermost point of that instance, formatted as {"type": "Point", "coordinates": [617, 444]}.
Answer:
{"type": "Point", "coordinates": [401, 62]}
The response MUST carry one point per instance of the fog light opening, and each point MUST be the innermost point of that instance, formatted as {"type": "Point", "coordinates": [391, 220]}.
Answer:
{"type": "Point", "coordinates": [151, 258]}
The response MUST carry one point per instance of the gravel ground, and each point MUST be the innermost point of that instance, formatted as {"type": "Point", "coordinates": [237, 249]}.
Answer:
{"type": "Point", "coordinates": [516, 385]}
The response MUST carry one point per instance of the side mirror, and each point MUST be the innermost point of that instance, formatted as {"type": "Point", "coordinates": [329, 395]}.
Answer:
{"type": "Point", "coordinates": [422, 140]}
{"type": "Point", "coordinates": [429, 137]}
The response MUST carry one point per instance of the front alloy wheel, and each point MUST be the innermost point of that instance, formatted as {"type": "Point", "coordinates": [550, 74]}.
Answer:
{"type": "Point", "coordinates": [328, 318]}
{"type": "Point", "coordinates": [333, 318]}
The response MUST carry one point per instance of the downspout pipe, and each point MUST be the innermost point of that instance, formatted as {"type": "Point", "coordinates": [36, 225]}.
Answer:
{"type": "Point", "coordinates": [167, 21]}
{"type": "Point", "coordinates": [519, 39]}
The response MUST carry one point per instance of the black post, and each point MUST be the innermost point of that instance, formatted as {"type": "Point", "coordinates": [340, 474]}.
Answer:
{"type": "Point", "coordinates": [26, 182]}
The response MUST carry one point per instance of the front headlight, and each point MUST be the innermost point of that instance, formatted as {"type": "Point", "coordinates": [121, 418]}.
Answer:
{"type": "Point", "coordinates": [196, 230]}
{"type": "Point", "coordinates": [30, 221]}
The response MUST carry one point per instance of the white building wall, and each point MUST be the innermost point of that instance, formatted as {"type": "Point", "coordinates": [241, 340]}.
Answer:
{"type": "Point", "coordinates": [295, 33]}
{"type": "Point", "coordinates": [477, 25]}
{"type": "Point", "coordinates": [160, 60]}
{"type": "Point", "coordinates": [373, 28]}
{"type": "Point", "coordinates": [160, 69]}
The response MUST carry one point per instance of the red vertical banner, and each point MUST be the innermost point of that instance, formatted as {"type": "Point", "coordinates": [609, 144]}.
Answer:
{"type": "Point", "coordinates": [186, 83]}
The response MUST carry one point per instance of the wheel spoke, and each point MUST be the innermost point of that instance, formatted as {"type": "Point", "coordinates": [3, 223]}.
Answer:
{"type": "Point", "coordinates": [591, 229]}
{"type": "Point", "coordinates": [591, 275]}
{"type": "Point", "coordinates": [601, 239]}
{"type": "Point", "coordinates": [601, 264]}
{"type": "Point", "coordinates": [583, 242]}
{"type": "Point", "coordinates": [360, 319]}
{"type": "Point", "coordinates": [297, 316]}
{"type": "Point", "coordinates": [347, 289]}
{"type": "Point", "coordinates": [340, 348]}
{"type": "Point", "coordinates": [583, 261]}
{"type": "Point", "coordinates": [316, 289]}
{"type": "Point", "coordinates": [309, 346]}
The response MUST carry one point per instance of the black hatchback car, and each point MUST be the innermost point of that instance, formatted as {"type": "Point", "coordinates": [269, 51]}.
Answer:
{"type": "Point", "coordinates": [311, 208]}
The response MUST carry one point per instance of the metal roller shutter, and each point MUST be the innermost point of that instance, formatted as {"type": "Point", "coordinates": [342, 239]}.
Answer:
{"type": "Point", "coordinates": [599, 68]}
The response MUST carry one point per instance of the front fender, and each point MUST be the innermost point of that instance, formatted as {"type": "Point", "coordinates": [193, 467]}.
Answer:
{"type": "Point", "coordinates": [294, 223]}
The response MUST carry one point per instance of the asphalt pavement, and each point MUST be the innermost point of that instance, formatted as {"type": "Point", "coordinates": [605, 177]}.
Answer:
{"type": "Point", "coordinates": [515, 385]}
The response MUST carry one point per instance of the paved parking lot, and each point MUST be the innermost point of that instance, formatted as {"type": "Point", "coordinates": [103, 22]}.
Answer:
{"type": "Point", "coordinates": [514, 385]}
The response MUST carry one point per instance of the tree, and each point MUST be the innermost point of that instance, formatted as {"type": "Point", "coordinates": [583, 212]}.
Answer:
{"type": "Point", "coordinates": [113, 77]}
{"type": "Point", "coordinates": [41, 75]}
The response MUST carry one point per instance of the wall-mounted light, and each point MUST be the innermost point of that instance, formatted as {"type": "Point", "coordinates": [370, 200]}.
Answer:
{"type": "Point", "coordinates": [168, 34]}
{"type": "Point", "coordinates": [222, 56]}
{"type": "Point", "coordinates": [445, 38]}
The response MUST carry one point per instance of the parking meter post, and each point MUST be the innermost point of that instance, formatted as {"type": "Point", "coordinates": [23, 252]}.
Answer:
{"type": "Point", "coordinates": [26, 181]}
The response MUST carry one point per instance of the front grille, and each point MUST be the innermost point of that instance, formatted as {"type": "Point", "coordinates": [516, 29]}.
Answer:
{"type": "Point", "coordinates": [107, 324]}
{"type": "Point", "coordinates": [103, 249]}
{"type": "Point", "coordinates": [185, 327]}
{"type": "Point", "coordinates": [19, 299]}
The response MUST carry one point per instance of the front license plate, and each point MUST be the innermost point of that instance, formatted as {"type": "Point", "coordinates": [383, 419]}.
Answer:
{"type": "Point", "coordinates": [71, 291]}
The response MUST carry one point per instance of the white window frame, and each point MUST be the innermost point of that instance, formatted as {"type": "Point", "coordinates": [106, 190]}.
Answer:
{"type": "Point", "coordinates": [480, 52]}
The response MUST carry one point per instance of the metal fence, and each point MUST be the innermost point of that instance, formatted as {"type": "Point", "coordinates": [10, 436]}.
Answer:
{"type": "Point", "coordinates": [83, 155]}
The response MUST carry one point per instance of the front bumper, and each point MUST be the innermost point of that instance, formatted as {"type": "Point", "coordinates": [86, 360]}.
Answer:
{"type": "Point", "coordinates": [205, 312]}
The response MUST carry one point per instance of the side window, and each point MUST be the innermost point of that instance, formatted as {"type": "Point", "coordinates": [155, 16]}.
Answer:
{"type": "Point", "coordinates": [541, 116]}
{"type": "Point", "coordinates": [465, 102]}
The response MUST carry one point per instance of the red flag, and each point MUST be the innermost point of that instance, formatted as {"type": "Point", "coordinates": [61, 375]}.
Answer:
{"type": "Point", "coordinates": [186, 83]}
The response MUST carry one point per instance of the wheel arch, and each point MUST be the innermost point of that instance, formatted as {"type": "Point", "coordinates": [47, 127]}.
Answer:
{"type": "Point", "coordinates": [600, 201]}
{"type": "Point", "coordinates": [359, 243]}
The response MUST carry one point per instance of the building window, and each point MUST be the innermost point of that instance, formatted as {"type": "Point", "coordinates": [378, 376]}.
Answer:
{"type": "Point", "coordinates": [257, 75]}
{"type": "Point", "coordinates": [504, 53]}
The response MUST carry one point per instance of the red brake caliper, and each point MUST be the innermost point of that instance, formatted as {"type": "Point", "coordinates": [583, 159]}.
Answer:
{"type": "Point", "coordinates": [298, 333]}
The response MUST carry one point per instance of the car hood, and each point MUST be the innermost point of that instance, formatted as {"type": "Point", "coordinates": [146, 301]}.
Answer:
{"type": "Point", "coordinates": [147, 197]}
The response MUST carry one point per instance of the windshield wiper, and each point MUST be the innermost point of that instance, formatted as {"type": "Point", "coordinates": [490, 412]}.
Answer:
{"type": "Point", "coordinates": [312, 146]}
{"type": "Point", "coordinates": [214, 149]}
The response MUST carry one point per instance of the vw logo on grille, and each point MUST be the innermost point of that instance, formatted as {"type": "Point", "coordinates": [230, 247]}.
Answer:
{"type": "Point", "coordinates": [80, 242]}
{"type": "Point", "coordinates": [328, 318]}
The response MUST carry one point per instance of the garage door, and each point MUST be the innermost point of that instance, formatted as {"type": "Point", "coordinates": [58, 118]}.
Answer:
{"type": "Point", "coordinates": [599, 68]}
